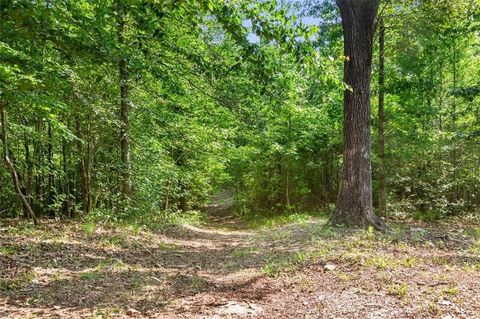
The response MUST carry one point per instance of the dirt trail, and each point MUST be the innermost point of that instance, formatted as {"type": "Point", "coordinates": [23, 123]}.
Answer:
{"type": "Point", "coordinates": [224, 271]}
{"type": "Point", "coordinates": [56, 270]}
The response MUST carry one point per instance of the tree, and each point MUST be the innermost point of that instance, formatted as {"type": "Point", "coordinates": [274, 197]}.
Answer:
{"type": "Point", "coordinates": [11, 166]}
{"type": "Point", "coordinates": [354, 202]}
{"type": "Point", "coordinates": [382, 188]}
{"type": "Point", "coordinates": [124, 116]}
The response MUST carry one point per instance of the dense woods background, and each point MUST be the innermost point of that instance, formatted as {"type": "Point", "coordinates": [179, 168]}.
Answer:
{"type": "Point", "coordinates": [128, 109]}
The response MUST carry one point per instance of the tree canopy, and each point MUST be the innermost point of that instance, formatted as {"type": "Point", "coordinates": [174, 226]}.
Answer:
{"type": "Point", "coordinates": [124, 108]}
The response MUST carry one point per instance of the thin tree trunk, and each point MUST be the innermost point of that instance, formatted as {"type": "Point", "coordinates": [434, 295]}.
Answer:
{"type": "Point", "coordinates": [88, 162]}
{"type": "Point", "coordinates": [354, 203]}
{"type": "Point", "coordinates": [454, 124]}
{"type": "Point", "coordinates": [66, 177]}
{"type": "Point", "coordinates": [37, 150]}
{"type": "Point", "coordinates": [29, 170]}
{"type": "Point", "coordinates": [124, 110]}
{"type": "Point", "coordinates": [288, 166]}
{"type": "Point", "coordinates": [83, 169]}
{"type": "Point", "coordinates": [50, 178]}
{"type": "Point", "coordinates": [167, 199]}
{"type": "Point", "coordinates": [11, 167]}
{"type": "Point", "coordinates": [382, 187]}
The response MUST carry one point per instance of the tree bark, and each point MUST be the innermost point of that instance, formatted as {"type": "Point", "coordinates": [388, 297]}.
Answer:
{"type": "Point", "coordinates": [51, 169]}
{"type": "Point", "coordinates": [83, 168]}
{"type": "Point", "coordinates": [124, 110]}
{"type": "Point", "coordinates": [66, 176]}
{"type": "Point", "coordinates": [11, 167]}
{"type": "Point", "coordinates": [382, 186]}
{"type": "Point", "coordinates": [454, 124]}
{"type": "Point", "coordinates": [354, 203]}
{"type": "Point", "coordinates": [29, 168]}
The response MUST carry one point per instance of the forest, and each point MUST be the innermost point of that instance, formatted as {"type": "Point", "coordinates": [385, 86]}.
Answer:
{"type": "Point", "coordinates": [240, 158]}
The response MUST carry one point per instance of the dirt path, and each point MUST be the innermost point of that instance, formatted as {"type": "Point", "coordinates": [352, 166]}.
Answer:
{"type": "Point", "coordinates": [64, 270]}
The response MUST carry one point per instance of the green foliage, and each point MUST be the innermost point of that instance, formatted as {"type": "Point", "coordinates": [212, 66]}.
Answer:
{"type": "Point", "coordinates": [213, 109]}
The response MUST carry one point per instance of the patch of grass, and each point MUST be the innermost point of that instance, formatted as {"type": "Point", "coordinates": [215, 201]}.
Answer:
{"type": "Point", "coordinates": [106, 313]}
{"type": "Point", "coordinates": [110, 263]}
{"type": "Point", "coordinates": [53, 263]}
{"type": "Point", "coordinates": [135, 229]}
{"type": "Point", "coordinates": [386, 277]}
{"type": "Point", "coordinates": [113, 241]}
{"type": "Point", "coordinates": [475, 247]}
{"type": "Point", "coordinates": [429, 216]}
{"type": "Point", "coordinates": [381, 262]}
{"type": "Point", "coordinates": [302, 257]}
{"type": "Point", "coordinates": [368, 234]}
{"type": "Point", "coordinates": [91, 275]}
{"type": "Point", "coordinates": [22, 229]}
{"type": "Point", "coordinates": [472, 232]}
{"type": "Point", "coordinates": [271, 269]}
{"type": "Point", "coordinates": [32, 248]}
{"type": "Point", "coordinates": [450, 291]}
{"type": "Point", "coordinates": [409, 262]}
{"type": "Point", "coordinates": [244, 252]}
{"type": "Point", "coordinates": [473, 266]}
{"type": "Point", "coordinates": [267, 221]}
{"type": "Point", "coordinates": [194, 218]}
{"type": "Point", "coordinates": [273, 235]}
{"type": "Point", "coordinates": [169, 247]}
{"type": "Point", "coordinates": [395, 235]}
{"type": "Point", "coordinates": [193, 283]}
{"type": "Point", "coordinates": [8, 250]}
{"type": "Point", "coordinates": [343, 276]}
{"type": "Point", "coordinates": [418, 235]}
{"type": "Point", "coordinates": [197, 284]}
{"type": "Point", "coordinates": [172, 219]}
{"type": "Point", "coordinates": [89, 228]}
{"type": "Point", "coordinates": [136, 223]}
{"type": "Point", "coordinates": [324, 232]}
{"type": "Point", "coordinates": [398, 290]}
{"type": "Point", "coordinates": [277, 263]}
{"type": "Point", "coordinates": [433, 309]}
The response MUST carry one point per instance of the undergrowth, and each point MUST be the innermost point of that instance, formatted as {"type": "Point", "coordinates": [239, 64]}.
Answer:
{"type": "Point", "coordinates": [262, 220]}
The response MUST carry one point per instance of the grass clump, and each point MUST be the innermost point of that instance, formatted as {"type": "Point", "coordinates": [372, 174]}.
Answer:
{"type": "Point", "coordinates": [398, 290]}
{"type": "Point", "coordinates": [136, 223]}
{"type": "Point", "coordinates": [381, 262]}
{"type": "Point", "coordinates": [8, 250]}
{"type": "Point", "coordinates": [91, 275]}
{"type": "Point", "coordinates": [89, 228]}
{"type": "Point", "coordinates": [268, 221]}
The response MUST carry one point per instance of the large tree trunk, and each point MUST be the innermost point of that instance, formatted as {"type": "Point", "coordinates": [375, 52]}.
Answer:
{"type": "Point", "coordinates": [124, 116]}
{"type": "Point", "coordinates": [382, 187]}
{"type": "Point", "coordinates": [354, 202]}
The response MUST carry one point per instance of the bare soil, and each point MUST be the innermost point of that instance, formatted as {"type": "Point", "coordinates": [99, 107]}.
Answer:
{"type": "Point", "coordinates": [223, 270]}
